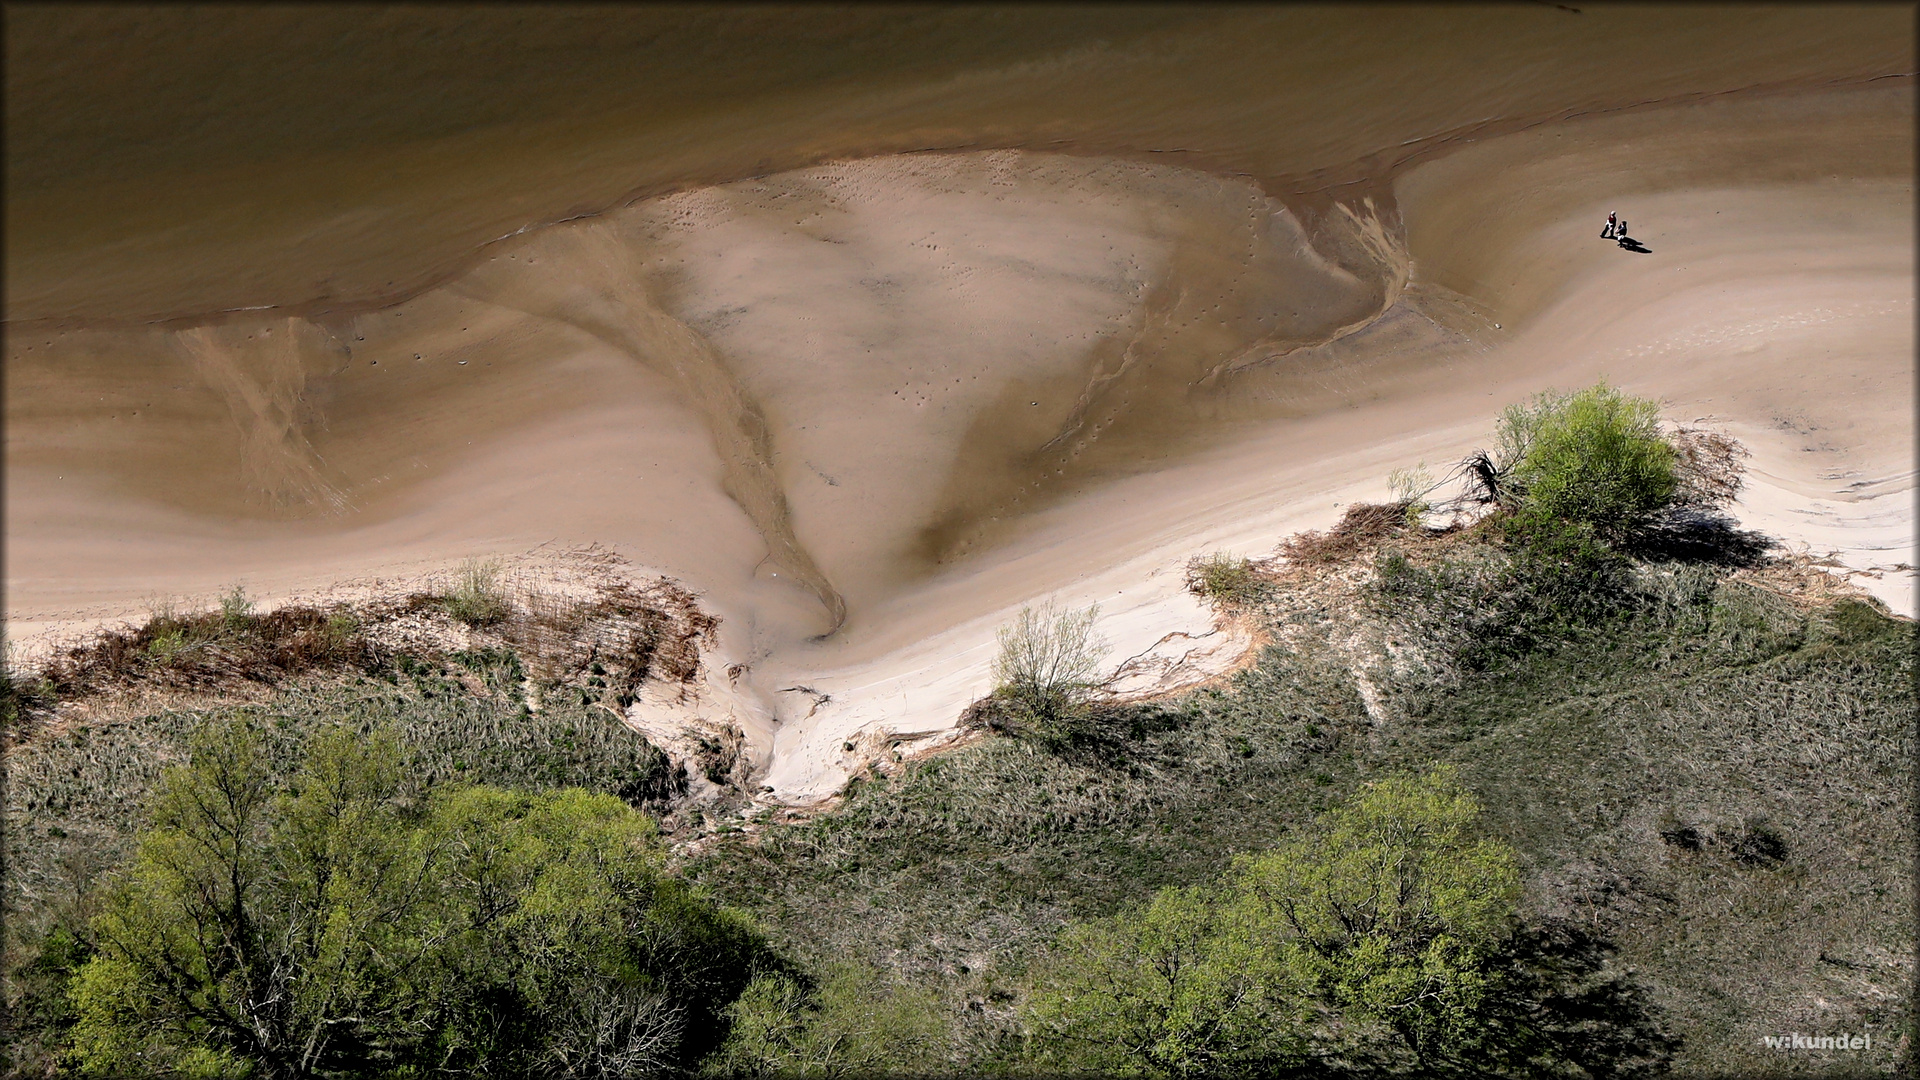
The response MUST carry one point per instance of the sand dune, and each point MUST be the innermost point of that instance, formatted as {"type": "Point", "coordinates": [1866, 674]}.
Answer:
{"type": "Point", "coordinates": [870, 408]}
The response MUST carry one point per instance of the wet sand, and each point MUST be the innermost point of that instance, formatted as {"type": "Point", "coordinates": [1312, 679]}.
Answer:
{"type": "Point", "coordinates": [871, 407]}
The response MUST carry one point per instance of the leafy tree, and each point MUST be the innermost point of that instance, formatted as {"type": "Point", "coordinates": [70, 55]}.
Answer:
{"type": "Point", "coordinates": [572, 921]}
{"type": "Point", "coordinates": [1594, 458]}
{"type": "Point", "coordinates": [1383, 939]}
{"type": "Point", "coordinates": [179, 981]}
{"type": "Point", "coordinates": [1388, 912]}
{"type": "Point", "coordinates": [843, 1025]}
{"type": "Point", "coordinates": [342, 925]}
{"type": "Point", "coordinates": [1182, 987]}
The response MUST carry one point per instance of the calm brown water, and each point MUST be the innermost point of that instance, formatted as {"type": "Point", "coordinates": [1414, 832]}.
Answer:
{"type": "Point", "coordinates": [176, 161]}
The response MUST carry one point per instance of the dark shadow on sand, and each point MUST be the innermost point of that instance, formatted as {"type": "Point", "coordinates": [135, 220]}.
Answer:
{"type": "Point", "coordinates": [1701, 536]}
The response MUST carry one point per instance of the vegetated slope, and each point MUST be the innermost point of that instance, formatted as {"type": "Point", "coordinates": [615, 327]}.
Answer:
{"type": "Point", "coordinates": [80, 791]}
{"type": "Point", "coordinates": [1709, 766]}
{"type": "Point", "coordinates": [102, 721]}
{"type": "Point", "coordinates": [478, 685]}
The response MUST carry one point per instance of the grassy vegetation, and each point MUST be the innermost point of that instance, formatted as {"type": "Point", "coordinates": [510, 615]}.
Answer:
{"type": "Point", "coordinates": [1721, 784]}
{"type": "Point", "coordinates": [477, 597]}
{"type": "Point", "coordinates": [1703, 699]}
{"type": "Point", "coordinates": [959, 872]}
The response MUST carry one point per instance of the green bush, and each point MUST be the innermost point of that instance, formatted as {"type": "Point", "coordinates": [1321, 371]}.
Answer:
{"type": "Point", "coordinates": [1224, 577]}
{"type": "Point", "coordinates": [477, 597]}
{"type": "Point", "coordinates": [336, 925]}
{"type": "Point", "coordinates": [236, 610]}
{"type": "Point", "coordinates": [1594, 458]}
{"type": "Point", "coordinates": [1048, 668]}
{"type": "Point", "coordinates": [844, 1025]}
{"type": "Point", "coordinates": [1384, 936]}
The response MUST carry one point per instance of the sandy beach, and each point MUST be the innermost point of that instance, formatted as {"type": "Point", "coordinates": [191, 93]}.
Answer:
{"type": "Point", "coordinates": [870, 408]}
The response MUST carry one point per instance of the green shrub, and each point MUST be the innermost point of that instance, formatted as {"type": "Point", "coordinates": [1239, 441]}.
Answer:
{"type": "Point", "coordinates": [844, 1024]}
{"type": "Point", "coordinates": [1048, 668]}
{"type": "Point", "coordinates": [342, 629]}
{"type": "Point", "coordinates": [236, 610]}
{"type": "Point", "coordinates": [1384, 935]}
{"type": "Point", "coordinates": [335, 925]}
{"type": "Point", "coordinates": [167, 643]}
{"type": "Point", "coordinates": [1594, 458]}
{"type": "Point", "coordinates": [477, 597]}
{"type": "Point", "coordinates": [1224, 577]}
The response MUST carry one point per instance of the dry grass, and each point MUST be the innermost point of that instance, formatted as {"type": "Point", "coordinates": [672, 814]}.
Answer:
{"type": "Point", "coordinates": [616, 638]}
{"type": "Point", "coordinates": [621, 635]}
{"type": "Point", "coordinates": [1708, 466]}
{"type": "Point", "coordinates": [1362, 527]}
{"type": "Point", "coordinates": [1227, 579]}
{"type": "Point", "coordinates": [199, 650]}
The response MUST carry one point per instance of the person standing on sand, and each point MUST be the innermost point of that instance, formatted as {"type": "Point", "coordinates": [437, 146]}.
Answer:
{"type": "Point", "coordinates": [1612, 230]}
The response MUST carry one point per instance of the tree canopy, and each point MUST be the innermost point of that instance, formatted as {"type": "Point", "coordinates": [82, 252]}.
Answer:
{"type": "Point", "coordinates": [1384, 938]}
{"type": "Point", "coordinates": [1594, 457]}
{"type": "Point", "coordinates": [340, 926]}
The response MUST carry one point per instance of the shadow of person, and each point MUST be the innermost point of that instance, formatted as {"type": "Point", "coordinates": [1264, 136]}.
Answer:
{"type": "Point", "coordinates": [1633, 245]}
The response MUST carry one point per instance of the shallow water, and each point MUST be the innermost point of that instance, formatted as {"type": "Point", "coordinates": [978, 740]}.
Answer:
{"type": "Point", "coordinates": [177, 161]}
